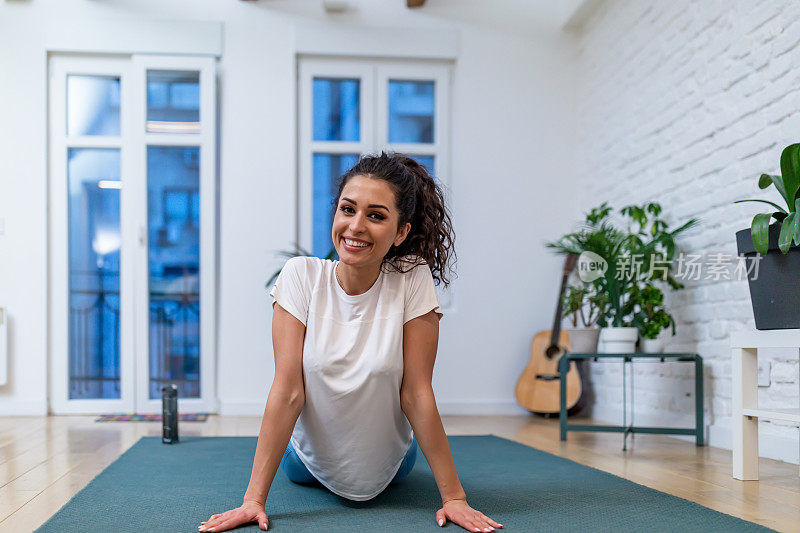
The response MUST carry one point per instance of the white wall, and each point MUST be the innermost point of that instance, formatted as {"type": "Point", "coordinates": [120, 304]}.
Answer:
{"type": "Point", "coordinates": [512, 181]}
{"type": "Point", "coordinates": [687, 103]}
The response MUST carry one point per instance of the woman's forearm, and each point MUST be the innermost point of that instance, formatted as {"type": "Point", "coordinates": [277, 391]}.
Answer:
{"type": "Point", "coordinates": [280, 415]}
{"type": "Point", "coordinates": [420, 409]}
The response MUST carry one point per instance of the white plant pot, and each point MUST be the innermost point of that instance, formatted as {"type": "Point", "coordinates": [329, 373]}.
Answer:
{"type": "Point", "coordinates": [583, 340]}
{"type": "Point", "coordinates": [652, 345]}
{"type": "Point", "coordinates": [618, 340]}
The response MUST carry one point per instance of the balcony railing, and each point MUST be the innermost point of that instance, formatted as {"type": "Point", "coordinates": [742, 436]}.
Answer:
{"type": "Point", "coordinates": [94, 351]}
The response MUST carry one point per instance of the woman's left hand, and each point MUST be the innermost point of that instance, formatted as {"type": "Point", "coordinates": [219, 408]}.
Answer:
{"type": "Point", "coordinates": [459, 512]}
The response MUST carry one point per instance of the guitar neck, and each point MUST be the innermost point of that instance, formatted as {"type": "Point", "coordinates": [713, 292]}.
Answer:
{"type": "Point", "coordinates": [556, 329]}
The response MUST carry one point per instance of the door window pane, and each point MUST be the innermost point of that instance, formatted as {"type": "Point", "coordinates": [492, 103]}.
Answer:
{"type": "Point", "coordinates": [173, 185]}
{"type": "Point", "coordinates": [173, 101]}
{"type": "Point", "coordinates": [327, 169]}
{"type": "Point", "coordinates": [336, 113]}
{"type": "Point", "coordinates": [92, 105]}
{"type": "Point", "coordinates": [94, 249]}
{"type": "Point", "coordinates": [411, 108]}
{"type": "Point", "coordinates": [426, 161]}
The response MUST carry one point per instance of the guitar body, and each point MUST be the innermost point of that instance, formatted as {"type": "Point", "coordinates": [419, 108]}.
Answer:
{"type": "Point", "coordinates": [539, 388]}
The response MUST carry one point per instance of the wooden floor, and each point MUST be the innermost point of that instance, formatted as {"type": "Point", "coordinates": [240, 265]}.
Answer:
{"type": "Point", "coordinates": [46, 460]}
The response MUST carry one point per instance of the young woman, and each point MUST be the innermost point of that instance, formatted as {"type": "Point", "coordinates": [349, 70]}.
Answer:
{"type": "Point", "coordinates": [355, 342]}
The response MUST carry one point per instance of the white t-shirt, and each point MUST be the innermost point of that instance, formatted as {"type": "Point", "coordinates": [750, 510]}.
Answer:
{"type": "Point", "coordinates": [352, 434]}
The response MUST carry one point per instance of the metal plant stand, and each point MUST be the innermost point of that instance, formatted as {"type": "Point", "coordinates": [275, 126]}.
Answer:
{"type": "Point", "coordinates": [629, 428]}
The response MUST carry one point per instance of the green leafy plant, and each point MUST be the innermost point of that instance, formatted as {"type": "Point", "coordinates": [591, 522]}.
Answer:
{"type": "Point", "coordinates": [642, 251]}
{"type": "Point", "coordinates": [583, 302]}
{"type": "Point", "coordinates": [651, 316]}
{"type": "Point", "coordinates": [298, 252]}
{"type": "Point", "coordinates": [788, 185]}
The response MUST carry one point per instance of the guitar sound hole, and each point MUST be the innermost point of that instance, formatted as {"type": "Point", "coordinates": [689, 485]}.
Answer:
{"type": "Point", "coordinates": [552, 351]}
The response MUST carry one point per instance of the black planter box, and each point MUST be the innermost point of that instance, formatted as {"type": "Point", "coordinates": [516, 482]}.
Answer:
{"type": "Point", "coordinates": [775, 293]}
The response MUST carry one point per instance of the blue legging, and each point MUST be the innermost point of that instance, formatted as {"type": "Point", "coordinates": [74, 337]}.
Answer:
{"type": "Point", "coordinates": [298, 472]}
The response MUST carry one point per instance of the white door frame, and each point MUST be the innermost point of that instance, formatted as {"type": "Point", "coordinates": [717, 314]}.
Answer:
{"type": "Point", "coordinates": [206, 141]}
{"type": "Point", "coordinates": [60, 143]}
{"type": "Point", "coordinates": [134, 287]}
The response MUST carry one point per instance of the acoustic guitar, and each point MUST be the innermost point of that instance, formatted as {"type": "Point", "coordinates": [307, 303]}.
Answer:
{"type": "Point", "coordinates": [539, 387]}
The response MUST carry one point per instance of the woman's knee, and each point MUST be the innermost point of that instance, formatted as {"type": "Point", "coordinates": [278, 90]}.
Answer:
{"type": "Point", "coordinates": [294, 468]}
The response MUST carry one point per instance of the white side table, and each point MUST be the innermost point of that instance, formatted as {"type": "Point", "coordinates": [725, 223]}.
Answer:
{"type": "Point", "coordinates": [745, 411]}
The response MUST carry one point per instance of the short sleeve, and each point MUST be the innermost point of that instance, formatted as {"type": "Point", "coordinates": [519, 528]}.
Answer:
{"type": "Point", "coordinates": [421, 294]}
{"type": "Point", "coordinates": [291, 289]}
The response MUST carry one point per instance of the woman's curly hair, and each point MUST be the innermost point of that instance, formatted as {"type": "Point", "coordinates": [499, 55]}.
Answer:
{"type": "Point", "coordinates": [420, 201]}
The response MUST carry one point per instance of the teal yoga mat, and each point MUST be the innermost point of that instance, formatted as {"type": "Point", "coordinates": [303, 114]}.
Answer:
{"type": "Point", "coordinates": [158, 487]}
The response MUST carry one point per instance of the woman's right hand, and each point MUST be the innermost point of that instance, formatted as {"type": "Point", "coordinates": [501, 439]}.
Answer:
{"type": "Point", "coordinates": [249, 511]}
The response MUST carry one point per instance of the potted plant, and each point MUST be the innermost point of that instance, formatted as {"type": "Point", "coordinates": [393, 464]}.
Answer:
{"type": "Point", "coordinates": [582, 302]}
{"type": "Point", "coordinates": [641, 252]}
{"type": "Point", "coordinates": [651, 317]}
{"type": "Point", "coordinates": [771, 252]}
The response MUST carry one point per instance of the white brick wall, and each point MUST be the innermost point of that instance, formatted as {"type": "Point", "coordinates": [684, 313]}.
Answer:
{"type": "Point", "coordinates": [686, 103]}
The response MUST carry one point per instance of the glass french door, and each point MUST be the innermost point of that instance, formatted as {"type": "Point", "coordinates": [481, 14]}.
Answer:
{"type": "Point", "coordinates": [132, 232]}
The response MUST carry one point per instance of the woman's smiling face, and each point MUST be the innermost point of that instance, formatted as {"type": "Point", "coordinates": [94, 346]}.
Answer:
{"type": "Point", "coordinates": [367, 217]}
